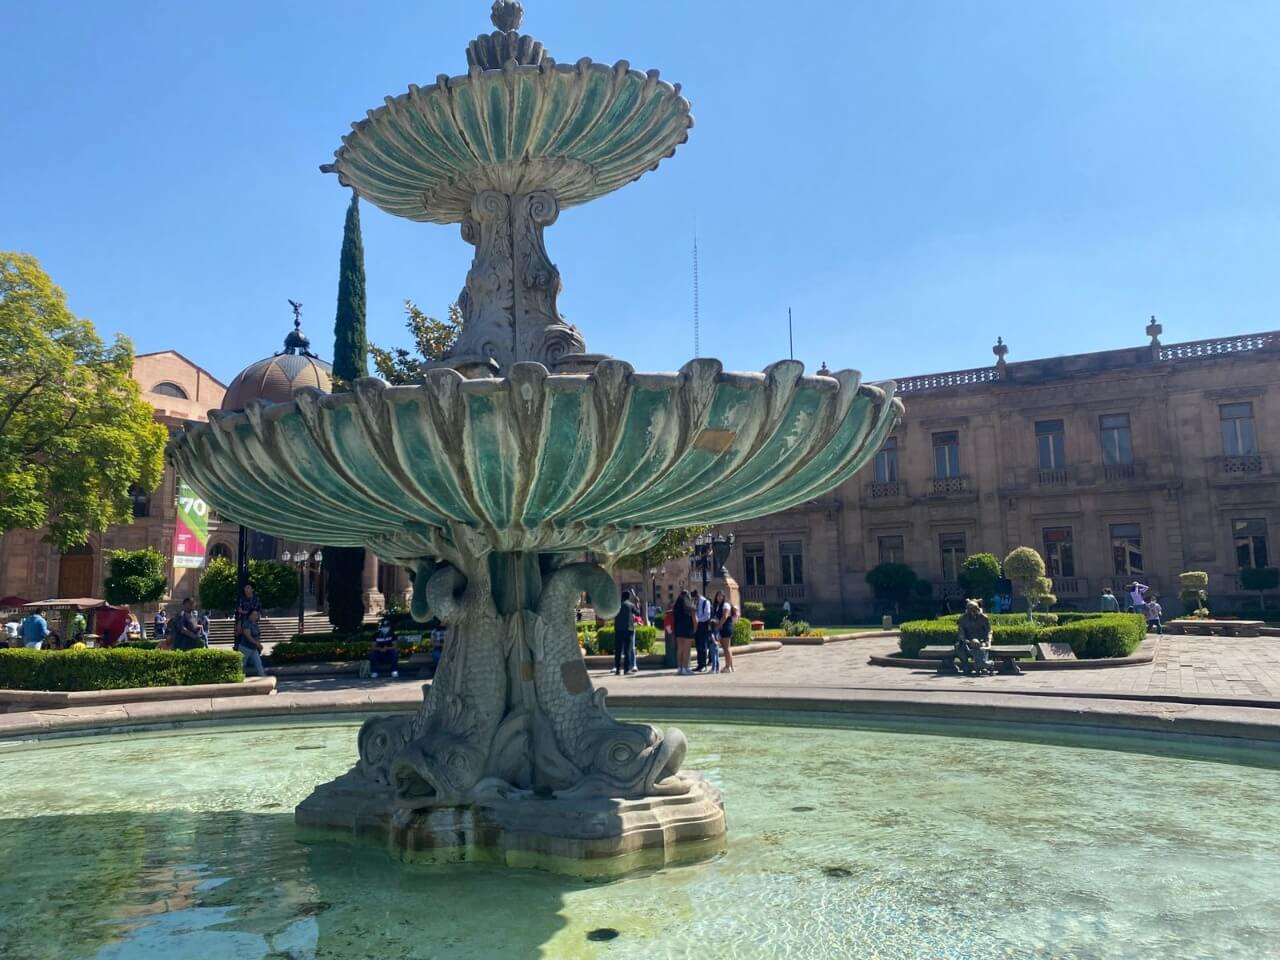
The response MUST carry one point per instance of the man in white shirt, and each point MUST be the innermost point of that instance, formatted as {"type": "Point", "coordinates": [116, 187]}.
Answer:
{"type": "Point", "coordinates": [702, 634]}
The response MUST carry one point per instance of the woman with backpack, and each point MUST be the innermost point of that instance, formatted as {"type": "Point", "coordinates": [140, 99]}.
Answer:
{"type": "Point", "coordinates": [723, 616]}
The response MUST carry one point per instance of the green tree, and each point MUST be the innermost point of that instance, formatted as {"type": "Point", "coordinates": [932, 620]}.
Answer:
{"type": "Point", "coordinates": [432, 339]}
{"type": "Point", "coordinates": [135, 576]}
{"type": "Point", "coordinates": [350, 343]}
{"type": "Point", "coordinates": [1025, 567]}
{"type": "Point", "coordinates": [217, 586]}
{"type": "Point", "coordinates": [675, 542]}
{"type": "Point", "coordinates": [75, 434]}
{"type": "Point", "coordinates": [1260, 579]}
{"type": "Point", "coordinates": [275, 583]}
{"type": "Point", "coordinates": [891, 583]}
{"type": "Point", "coordinates": [979, 575]}
{"type": "Point", "coordinates": [344, 565]}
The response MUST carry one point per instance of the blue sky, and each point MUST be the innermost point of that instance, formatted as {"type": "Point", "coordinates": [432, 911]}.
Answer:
{"type": "Point", "coordinates": [912, 178]}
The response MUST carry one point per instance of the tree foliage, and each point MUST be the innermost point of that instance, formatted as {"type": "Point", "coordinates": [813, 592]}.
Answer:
{"type": "Point", "coordinates": [432, 339]}
{"type": "Point", "coordinates": [276, 583]}
{"type": "Point", "coordinates": [351, 345]}
{"type": "Point", "coordinates": [135, 576]}
{"type": "Point", "coordinates": [217, 586]}
{"type": "Point", "coordinates": [75, 434]}
{"type": "Point", "coordinates": [891, 582]}
{"type": "Point", "coordinates": [676, 542]}
{"type": "Point", "coordinates": [979, 575]}
{"type": "Point", "coordinates": [1025, 567]}
{"type": "Point", "coordinates": [1260, 578]}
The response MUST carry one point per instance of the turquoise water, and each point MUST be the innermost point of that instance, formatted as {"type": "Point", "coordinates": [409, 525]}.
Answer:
{"type": "Point", "coordinates": [843, 843]}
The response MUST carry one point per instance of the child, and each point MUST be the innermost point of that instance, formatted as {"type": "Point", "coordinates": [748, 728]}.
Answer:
{"type": "Point", "coordinates": [1154, 613]}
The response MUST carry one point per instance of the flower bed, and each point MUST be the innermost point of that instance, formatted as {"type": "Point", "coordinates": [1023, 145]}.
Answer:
{"type": "Point", "coordinates": [1091, 635]}
{"type": "Point", "coordinates": [116, 668]}
{"type": "Point", "coordinates": [342, 651]}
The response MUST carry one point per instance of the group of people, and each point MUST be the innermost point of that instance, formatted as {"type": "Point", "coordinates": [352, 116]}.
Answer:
{"type": "Point", "coordinates": [704, 625]}
{"type": "Point", "coordinates": [1139, 599]}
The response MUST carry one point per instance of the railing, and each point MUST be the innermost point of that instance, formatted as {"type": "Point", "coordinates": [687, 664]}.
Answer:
{"type": "Point", "coordinates": [942, 486]}
{"type": "Point", "coordinates": [773, 593]}
{"type": "Point", "coordinates": [1052, 478]}
{"type": "Point", "coordinates": [1198, 349]}
{"type": "Point", "coordinates": [884, 489]}
{"type": "Point", "coordinates": [954, 378]}
{"type": "Point", "coordinates": [1112, 472]}
{"type": "Point", "coordinates": [791, 591]}
{"type": "Point", "coordinates": [1245, 463]}
{"type": "Point", "coordinates": [1070, 586]}
{"type": "Point", "coordinates": [754, 592]}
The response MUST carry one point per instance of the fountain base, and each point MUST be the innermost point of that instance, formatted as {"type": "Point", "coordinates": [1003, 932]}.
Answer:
{"type": "Point", "coordinates": [596, 838]}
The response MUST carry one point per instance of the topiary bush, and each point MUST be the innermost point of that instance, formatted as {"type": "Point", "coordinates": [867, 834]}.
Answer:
{"type": "Point", "coordinates": [891, 583]}
{"type": "Point", "coordinates": [979, 575]}
{"type": "Point", "coordinates": [796, 628]}
{"type": "Point", "coordinates": [741, 632]}
{"type": "Point", "coordinates": [116, 668]}
{"type": "Point", "coordinates": [1260, 579]}
{"type": "Point", "coordinates": [134, 576]}
{"type": "Point", "coordinates": [1092, 636]}
{"type": "Point", "coordinates": [752, 609]}
{"type": "Point", "coordinates": [217, 586]}
{"type": "Point", "coordinates": [772, 617]}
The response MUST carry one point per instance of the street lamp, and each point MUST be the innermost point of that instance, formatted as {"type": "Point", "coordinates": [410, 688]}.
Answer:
{"type": "Point", "coordinates": [710, 552]}
{"type": "Point", "coordinates": [300, 558]}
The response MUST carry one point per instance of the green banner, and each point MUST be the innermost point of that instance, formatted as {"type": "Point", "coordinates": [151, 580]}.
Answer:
{"type": "Point", "coordinates": [191, 532]}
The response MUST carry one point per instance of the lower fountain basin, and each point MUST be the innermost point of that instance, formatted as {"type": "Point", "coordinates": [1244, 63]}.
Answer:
{"type": "Point", "coordinates": [843, 842]}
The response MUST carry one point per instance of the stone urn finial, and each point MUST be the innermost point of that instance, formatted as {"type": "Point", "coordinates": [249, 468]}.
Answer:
{"type": "Point", "coordinates": [1001, 349]}
{"type": "Point", "coordinates": [823, 371]}
{"type": "Point", "coordinates": [506, 15]}
{"type": "Point", "coordinates": [1154, 329]}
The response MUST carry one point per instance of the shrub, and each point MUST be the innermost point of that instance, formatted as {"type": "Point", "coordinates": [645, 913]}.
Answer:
{"type": "Point", "coordinates": [772, 617]}
{"type": "Point", "coordinates": [217, 586]}
{"type": "Point", "coordinates": [1025, 567]}
{"type": "Point", "coordinates": [796, 628]}
{"type": "Point", "coordinates": [752, 609]}
{"type": "Point", "coordinates": [116, 669]}
{"type": "Point", "coordinates": [134, 576]}
{"type": "Point", "coordinates": [276, 583]}
{"type": "Point", "coordinates": [646, 637]}
{"type": "Point", "coordinates": [354, 647]}
{"type": "Point", "coordinates": [1260, 579]}
{"type": "Point", "coordinates": [979, 575]}
{"type": "Point", "coordinates": [1042, 619]}
{"type": "Point", "coordinates": [741, 632]}
{"type": "Point", "coordinates": [1091, 636]}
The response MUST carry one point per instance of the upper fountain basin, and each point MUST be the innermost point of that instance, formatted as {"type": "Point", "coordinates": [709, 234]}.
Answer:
{"type": "Point", "coordinates": [536, 461]}
{"type": "Point", "coordinates": [579, 130]}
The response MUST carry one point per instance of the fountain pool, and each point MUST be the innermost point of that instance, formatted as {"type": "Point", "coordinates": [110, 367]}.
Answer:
{"type": "Point", "coordinates": [843, 841]}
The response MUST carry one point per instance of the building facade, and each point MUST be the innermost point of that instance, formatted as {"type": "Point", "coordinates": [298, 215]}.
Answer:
{"type": "Point", "coordinates": [1123, 465]}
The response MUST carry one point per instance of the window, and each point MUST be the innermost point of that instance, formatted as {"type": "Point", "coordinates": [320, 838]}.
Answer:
{"type": "Point", "coordinates": [892, 550]}
{"type": "Point", "coordinates": [1238, 436]}
{"type": "Point", "coordinates": [1059, 554]}
{"type": "Point", "coordinates": [1050, 444]}
{"type": "Point", "coordinates": [953, 554]}
{"type": "Point", "coordinates": [946, 455]}
{"type": "Point", "coordinates": [1251, 542]}
{"type": "Point", "coordinates": [167, 389]}
{"type": "Point", "coordinates": [1126, 549]}
{"type": "Point", "coordinates": [887, 462]}
{"type": "Point", "coordinates": [219, 550]}
{"type": "Point", "coordinates": [141, 502]}
{"type": "Point", "coordinates": [753, 564]}
{"type": "Point", "coordinates": [1117, 445]}
{"type": "Point", "coordinates": [792, 556]}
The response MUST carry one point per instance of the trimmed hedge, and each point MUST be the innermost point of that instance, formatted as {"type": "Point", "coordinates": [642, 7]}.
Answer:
{"type": "Point", "coordinates": [741, 632]}
{"type": "Point", "coordinates": [116, 669]}
{"type": "Point", "coordinates": [1043, 619]}
{"type": "Point", "coordinates": [1091, 635]}
{"type": "Point", "coordinates": [646, 637]}
{"type": "Point", "coordinates": [343, 651]}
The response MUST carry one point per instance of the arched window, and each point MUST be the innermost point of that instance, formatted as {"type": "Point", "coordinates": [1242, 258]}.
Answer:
{"type": "Point", "coordinates": [220, 550]}
{"type": "Point", "coordinates": [165, 388]}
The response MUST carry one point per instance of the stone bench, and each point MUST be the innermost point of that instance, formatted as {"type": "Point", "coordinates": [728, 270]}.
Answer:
{"type": "Point", "coordinates": [1208, 628]}
{"type": "Point", "coordinates": [1006, 656]}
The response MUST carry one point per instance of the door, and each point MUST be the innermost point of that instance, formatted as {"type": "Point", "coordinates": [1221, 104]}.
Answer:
{"type": "Point", "coordinates": [75, 573]}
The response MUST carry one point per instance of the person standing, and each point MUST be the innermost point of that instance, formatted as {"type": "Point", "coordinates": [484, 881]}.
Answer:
{"type": "Point", "coordinates": [247, 603]}
{"type": "Point", "coordinates": [1108, 603]}
{"type": "Point", "coordinates": [187, 634]}
{"type": "Point", "coordinates": [249, 643]}
{"type": "Point", "coordinates": [684, 620]}
{"type": "Point", "coordinates": [203, 623]}
{"type": "Point", "coordinates": [624, 636]}
{"type": "Point", "coordinates": [161, 625]}
{"type": "Point", "coordinates": [1154, 614]}
{"type": "Point", "coordinates": [702, 631]}
{"type": "Point", "coordinates": [724, 622]}
{"type": "Point", "coordinates": [35, 629]}
{"type": "Point", "coordinates": [1138, 597]}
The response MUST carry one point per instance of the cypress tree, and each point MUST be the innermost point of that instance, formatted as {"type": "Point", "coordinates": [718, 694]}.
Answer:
{"type": "Point", "coordinates": [350, 360]}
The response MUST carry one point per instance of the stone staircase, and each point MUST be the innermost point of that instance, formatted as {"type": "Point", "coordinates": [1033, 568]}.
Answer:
{"type": "Point", "coordinates": [276, 629]}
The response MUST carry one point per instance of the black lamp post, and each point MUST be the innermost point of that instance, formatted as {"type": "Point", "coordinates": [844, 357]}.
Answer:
{"type": "Point", "coordinates": [300, 559]}
{"type": "Point", "coordinates": [710, 553]}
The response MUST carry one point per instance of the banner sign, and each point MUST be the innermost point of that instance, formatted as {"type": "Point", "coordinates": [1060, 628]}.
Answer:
{"type": "Point", "coordinates": [191, 533]}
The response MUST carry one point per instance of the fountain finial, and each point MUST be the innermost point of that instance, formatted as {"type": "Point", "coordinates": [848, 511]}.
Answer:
{"type": "Point", "coordinates": [506, 15]}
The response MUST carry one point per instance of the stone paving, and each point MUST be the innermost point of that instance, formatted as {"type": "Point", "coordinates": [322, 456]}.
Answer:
{"type": "Point", "coordinates": [1189, 667]}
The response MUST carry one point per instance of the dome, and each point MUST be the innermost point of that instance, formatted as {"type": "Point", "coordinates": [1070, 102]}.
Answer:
{"type": "Point", "coordinates": [274, 379]}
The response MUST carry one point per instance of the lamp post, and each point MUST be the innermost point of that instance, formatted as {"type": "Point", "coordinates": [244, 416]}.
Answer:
{"type": "Point", "coordinates": [300, 559]}
{"type": "Point", "coordinates": [710, 552]}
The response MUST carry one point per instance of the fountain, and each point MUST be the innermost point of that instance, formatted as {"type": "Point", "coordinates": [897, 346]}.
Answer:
{"type": "Point", "coordinates": [513, 477]}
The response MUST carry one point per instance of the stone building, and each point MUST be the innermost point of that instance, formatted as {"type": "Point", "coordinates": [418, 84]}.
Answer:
{"type": "Point", "coordinates": [1120, 465]}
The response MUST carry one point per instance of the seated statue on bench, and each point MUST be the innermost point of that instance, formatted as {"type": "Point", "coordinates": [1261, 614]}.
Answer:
{"type": "Point", "coordinates": [973, 642]}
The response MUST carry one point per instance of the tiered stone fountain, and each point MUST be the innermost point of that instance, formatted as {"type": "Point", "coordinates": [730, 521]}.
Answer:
{"type": "Point", "coordinates": [517, 457]}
